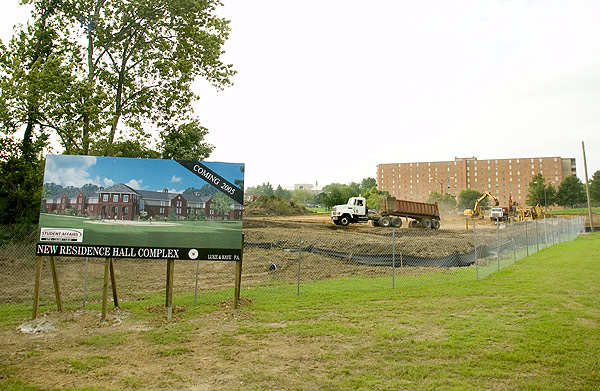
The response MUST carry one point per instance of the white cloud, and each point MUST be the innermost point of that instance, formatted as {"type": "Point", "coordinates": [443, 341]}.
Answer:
{"type": "Point", "coordinates": [175, 179]}
{"type": "Point", "coordinates": [69, 170]}
{"type": "Point", "coordinates": [136, 184]}
{"type": "Point", "coordinates": [108, 182]}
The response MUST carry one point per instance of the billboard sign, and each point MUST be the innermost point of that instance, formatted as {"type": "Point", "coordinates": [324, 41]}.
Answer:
{"type": "Point", "coordinates": [96, 206]}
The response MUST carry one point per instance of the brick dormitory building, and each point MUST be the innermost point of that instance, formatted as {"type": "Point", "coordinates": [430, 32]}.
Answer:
{"type": "Point", "coordinates": [121, 202]}
{"type": "Point", "coordinates": [501, 177]}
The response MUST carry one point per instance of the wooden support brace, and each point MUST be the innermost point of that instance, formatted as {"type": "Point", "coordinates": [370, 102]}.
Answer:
{"type": "Point", "coordinates": [238, 277]}
{"type": "Point", "coordinates": [113, 282]}
{"type": "Point", "coordinates": [36, 290]}
{"type": "Point", "coordinates": [169, 295]}
{"type": "Point", "coordinates": [105, 288]}
{"type": "Point", "coordinates": [56, 286]}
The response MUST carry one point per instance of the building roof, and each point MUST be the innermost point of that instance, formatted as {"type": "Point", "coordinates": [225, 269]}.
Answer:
{"type": "Point", "coordinates": [119, 188]}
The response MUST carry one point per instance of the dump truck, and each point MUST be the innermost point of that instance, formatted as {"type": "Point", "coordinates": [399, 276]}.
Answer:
{"type": "Point", "coordinates": [422, 214]}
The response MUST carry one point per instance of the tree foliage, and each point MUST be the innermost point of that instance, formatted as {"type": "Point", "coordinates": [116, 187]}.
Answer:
{"type": "Point", "coordinates": [446, 202]}
{"type": "Point", "coordinates": [270, 205]}
{"type": "Point", "coordinates": [303, 197]}
{"type": "Point", "coordinates": [109, 78]}
{"type": "Point", "coordinates": [571, 192]}
{"type": "Point", "coordinates": [467, 199]}
{"type": "Point", "coordinates": [367, 184]}
{"type": "Point", "coordinates": [222, 204]}
{"type": "Point", "coordinates": [539, 192]}
{"type": "Point", "coordinates": [337, 193]}
{"type": "Point", "coordinates": [373, 197]}
{"type": "Point", "coordinates": [595, 188]}
{"type": "Point", "coordinates": [282, 193]}
{"type": "Point", "coordinates": [264, 189]}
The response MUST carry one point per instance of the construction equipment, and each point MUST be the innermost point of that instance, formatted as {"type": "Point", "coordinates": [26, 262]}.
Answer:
{"type": "Point", "coordinates": [476, 211]}
{"type": "Point", "coordinates": [499, 213]}
{"type": "Point", "coordinates": [423, 215]}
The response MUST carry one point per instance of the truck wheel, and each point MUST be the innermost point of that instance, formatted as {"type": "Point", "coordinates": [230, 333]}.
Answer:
{"type": "Point", "coordinates": [385, 222]}
{"type": "Point", "coordinates": [374, 223]}
{"type": "Point", "coordinates": [426, 223]}
{"type": "Point", "coordinates": [435, 224]}
{"type": "Point", "coordinates": [336, 222]}
{"type": "Point", "coordinates": [413, 224]}
{"type": "Point", "coordinates": [344, 220]}
{"type": "Point", "coordinates": [396, 222]}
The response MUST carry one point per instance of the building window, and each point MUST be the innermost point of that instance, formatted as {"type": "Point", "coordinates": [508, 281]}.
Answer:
{"type": "Point", "coordinates": [115, 198]}
{"type": "Point", "coordinates": [105, 197]}
{"type": "Point", "coordinates": [126, 198]}
{"type": "Point", "coordinates": [162, 210]}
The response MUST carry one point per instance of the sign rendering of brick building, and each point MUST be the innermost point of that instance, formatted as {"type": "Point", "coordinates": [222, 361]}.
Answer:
{"type": "Point", "coordinates": [121, 202]}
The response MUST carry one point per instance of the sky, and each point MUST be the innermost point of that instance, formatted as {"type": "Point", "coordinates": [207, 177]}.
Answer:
{"type": "Point", "coordinates": [328, 89]}
{"type": "Point", "coordinates": [139, 174]}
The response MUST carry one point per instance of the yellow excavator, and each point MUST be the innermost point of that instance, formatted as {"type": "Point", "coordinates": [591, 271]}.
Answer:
{"type": "Point", "coordinates": [523, 213]}
{"type": "Point", "coordinates": [476, 211]}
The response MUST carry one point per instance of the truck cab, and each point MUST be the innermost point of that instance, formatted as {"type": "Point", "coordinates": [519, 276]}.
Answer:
{"type": "Point", "coordinates": [352, 212]}
{"type": "Point", "coordinates": [499, 213]}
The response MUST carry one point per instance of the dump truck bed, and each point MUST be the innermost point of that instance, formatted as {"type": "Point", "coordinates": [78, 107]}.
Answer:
{"type": "Point", "coordinates": [392, 206]}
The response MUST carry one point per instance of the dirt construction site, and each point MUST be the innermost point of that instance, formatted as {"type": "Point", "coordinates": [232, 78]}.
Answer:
{"type": "Point", "coordinates": [273, 247]}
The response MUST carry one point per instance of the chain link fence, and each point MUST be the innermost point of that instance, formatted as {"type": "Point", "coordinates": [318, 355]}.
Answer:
{"type": "Point", "coordinates": [288, 261]}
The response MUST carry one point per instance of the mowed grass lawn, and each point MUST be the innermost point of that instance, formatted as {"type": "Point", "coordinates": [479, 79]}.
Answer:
{"type": "Point", "coordinates": [534, 325]}
{"type": "Point", "coordinates": [179, 233]}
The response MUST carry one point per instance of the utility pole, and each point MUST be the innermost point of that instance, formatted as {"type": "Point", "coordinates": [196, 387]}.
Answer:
{"type": "Point", "coordinates": [587, 187]}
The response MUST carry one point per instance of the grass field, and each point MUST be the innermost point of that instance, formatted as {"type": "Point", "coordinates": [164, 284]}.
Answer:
{"type": "Point", "coordinates": [576, 211]}
{"type": "Point", "coordinates": [177, 233]}
{"type": "Point", "coordinates": [534, 325]}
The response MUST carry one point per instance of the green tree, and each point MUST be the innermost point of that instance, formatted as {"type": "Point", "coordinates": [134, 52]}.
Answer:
{"type": "Point", "coordinates": [282, 193]}
{"type": "Point", "coordinates": [100, 73]}
{"type": "Point", "coordinates": [145, 57]}
{"type": "Point", "coordinates": [373, 197]}
{"type": "Point", "coordinates": [467, 199]}
{"type": "Point", "coordinates": [303, 197]}
{"type": "Point", "coordinates": [222, 204]}
{"type": "Point", "coordinates": [539, 192]}
{"type": "Point", "coordinates": [571, 192]}
{"type": "Point", "coordinates": [595, 188]}
{"type": "Point", "coordinates": [264, 189]}
{"type": "Point", "coordinates": [337, 194]}
{"type": "Point", "coordinates": [367, 184]}
{"type": "Point", "coordinates": [446, 202]}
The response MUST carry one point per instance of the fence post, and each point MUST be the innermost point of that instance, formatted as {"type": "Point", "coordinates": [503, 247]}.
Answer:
{"type": "Point", "coordinates": [545, 233]}
{"type": "Point", "coordinates": [498, 242]}
{"type": "Point", "coordinates": [537, 236]}
{"type": "Point", "coordinates": [526, 239]}
{"type": "Point", "coordinates": [475, 246]}
{"type": "Point", "coordinates": [513, 240]}
{"type": "Point", "coordinates": [552, 220]}
{"type": "Point", "coordinates": [299, 261]}
{"type": "Point", "coordinates": [393, 258]}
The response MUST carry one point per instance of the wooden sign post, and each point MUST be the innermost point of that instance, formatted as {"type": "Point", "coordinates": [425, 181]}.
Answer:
{"type": "Point", "coordinates": [169, 295]}
{"type": "Point", "coordinates": [38, 278]}
{"type": "Point", "coordinates": [238, 277]}
{"type": "Point", "coordinates": [109, 270]}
